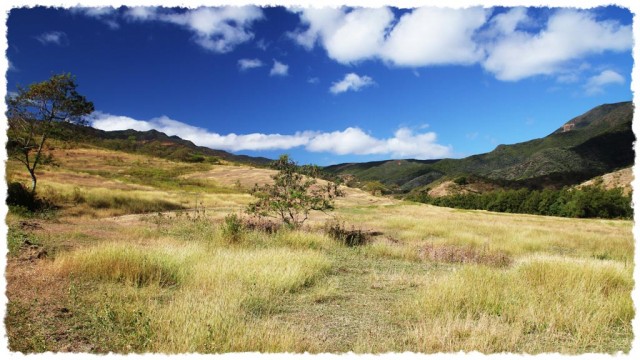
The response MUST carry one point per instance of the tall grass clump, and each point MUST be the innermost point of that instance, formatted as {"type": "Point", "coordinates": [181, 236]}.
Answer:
{"type": "Point", "coordinates": [543, 304]}
{"type": "Point", "coordinates": [226, 305]}
{"type": "Point", "coordinates": [122, 264]}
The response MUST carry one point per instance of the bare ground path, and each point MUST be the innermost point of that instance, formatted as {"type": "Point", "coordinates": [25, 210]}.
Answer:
{"type": "Point", "coordinates": [356, 308]}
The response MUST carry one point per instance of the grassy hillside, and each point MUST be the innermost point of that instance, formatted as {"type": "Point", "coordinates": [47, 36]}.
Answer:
{"type": "Point", "coordinates": [594, 143]}
{"type": "Point", "coordinates": [136, 258]}
{"type": "Point", "coordinates": [152, 143]}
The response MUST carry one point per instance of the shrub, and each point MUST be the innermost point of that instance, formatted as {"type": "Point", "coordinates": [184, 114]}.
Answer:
{"type": "Point", "coordinates": [353, 237]}
{"type": "Point", "coordinates": [19, 196]}
{"type": "Point", "coordinates": [233, 228]}
{"type": "Point", "coordinates": [293, 194]}
{"type": "Point", "coordinates": [261, 224]}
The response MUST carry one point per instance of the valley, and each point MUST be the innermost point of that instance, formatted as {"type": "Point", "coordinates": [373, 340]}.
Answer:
{"type": "Point", "coordinates": [134, 258]}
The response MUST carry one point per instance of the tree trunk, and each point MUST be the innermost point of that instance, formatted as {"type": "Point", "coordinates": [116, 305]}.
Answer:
{"type": "Point", "coordinates": [34, 181]}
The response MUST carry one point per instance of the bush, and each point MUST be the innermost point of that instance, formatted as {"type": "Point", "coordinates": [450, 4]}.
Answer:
{"type": "Point", "coordinates": [19, 196]}
{"type": "Point", "coordinates": [233, 228]}
{"type": "Point", "coordinates": [354, 237]}
{"type": "Point", "coordinates": [261, 224]}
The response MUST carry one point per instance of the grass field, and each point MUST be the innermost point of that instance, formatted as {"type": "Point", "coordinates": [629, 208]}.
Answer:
{"type": "Point", "coordinates": [127, 265]}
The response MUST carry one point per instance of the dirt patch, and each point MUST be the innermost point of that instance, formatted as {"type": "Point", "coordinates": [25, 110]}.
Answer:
{"type": "Point", "coordinates": [447, 188]}
{"type": "Point", "coordinates": [617, 179]}
{"type": "Point", "coordinates": [36, 304]}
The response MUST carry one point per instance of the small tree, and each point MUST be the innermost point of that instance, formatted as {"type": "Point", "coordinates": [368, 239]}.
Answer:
{"type": "Point", "coordinates": [34, 113]}
{"type": "Point", "coordinates": [294, 193]}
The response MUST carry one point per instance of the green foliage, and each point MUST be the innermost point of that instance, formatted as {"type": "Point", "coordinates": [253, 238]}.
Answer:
{"type": "Point", "coordinates": [18, 195]}
{"type": "Point", "coordinates": [232, 228]}
{"type": "Point", "coordinates": [294, 193]}
{"type": "Point", "coordinates": [602, 143]}
{"type": "Point", "coordinates": [375, 188]}
{"type": "Point", "coordinates": [462, 180]}
{"type": "Point", "coordinates": [17, 238]}
{"type": "Point", "coordinates": [33, 114]}
{"type": "Point", "coordinates": [585, 202]}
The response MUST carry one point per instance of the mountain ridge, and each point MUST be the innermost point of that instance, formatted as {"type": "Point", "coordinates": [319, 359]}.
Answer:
{"type": "Point", "coordinates": [588, 145]}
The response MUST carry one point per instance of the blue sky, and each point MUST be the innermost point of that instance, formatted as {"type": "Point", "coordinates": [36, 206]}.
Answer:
{"type": "Point", "coordinates": [332, 85]}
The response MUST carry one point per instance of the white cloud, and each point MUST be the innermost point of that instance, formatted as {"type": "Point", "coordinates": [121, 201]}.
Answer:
{"type": "Point", "coordinates": [53, 37]}
{"type": "Point", "coordinates": [347, 36]}
{"type": "Point", "coordinates": [569, 35]}
{"type": "Point", "coordinates": [425, 36]}
{"type": "Point", "coordinates": [596, 83]}
{"type": "Point", "coordinates": [352, 141]}
{"type": "Point", "coordinates": [104, 14]}
{"type": "Point", "coordinates": [217, 29]}
{"type": "Point", "coordinates": [200, 136]}
{"type": "Point", "coordinates": [351, 81]}
{"type": "Point", "coordinates": [279, 69]}
{"type": "Point", "coordinates": [141, 13]}
{"type": "Point", "coordinates": [404, 144]}
{"type": "Point", "coordinates": [509, 21]}
{"type": "Point", "coordinates": [435, 36]}
{"type": "Point", "coordinates": [509, 45]}
{"type": "Point", "coordinates": [246, 64]}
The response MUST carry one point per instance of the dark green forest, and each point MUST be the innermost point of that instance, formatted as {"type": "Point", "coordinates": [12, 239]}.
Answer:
{"type": "Point", "coordinates": [585, 202]}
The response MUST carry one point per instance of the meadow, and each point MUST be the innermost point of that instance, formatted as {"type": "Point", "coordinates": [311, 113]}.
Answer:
{"type": "Point", "coordinates": [138, 257]}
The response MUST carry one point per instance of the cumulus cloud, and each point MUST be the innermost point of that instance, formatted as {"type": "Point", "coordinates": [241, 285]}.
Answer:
{"type": "Point", "coordinates": [435, 36]}
{"type": "Point", "coordinates": [246, 64]}
{"type": "Point", "coordinates": [425, 36]}
{"type": "Point", "coordinates": [351, 81]}
{"type": "Point", "coordinates": [347, 36]}
{"type": "Point", "coordinates": [279, 69]}
{"type": "Point", "coordinates": [511, 45]}
{"type": "Point", "coordinates": [53, 37]}
{"type": "Point", "coordinates": [569, 35]}
{"type": "Point", "coordinates": [405, 143]}
{"type": "Point", "coordinates": [596, 83]}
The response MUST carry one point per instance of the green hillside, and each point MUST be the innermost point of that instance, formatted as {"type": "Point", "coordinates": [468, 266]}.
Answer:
{"type": "Point", "coordinates": [153, 143]}
{"type": "Point", "coordinates": [597, 142]}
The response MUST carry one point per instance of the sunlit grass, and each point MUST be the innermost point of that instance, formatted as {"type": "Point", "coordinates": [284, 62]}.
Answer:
{"type": "Point", "coordinates": [219, 295]}
{"type": "Point", "coordinates": [543, 304]}
{"type": "Point", "coordinates": [431, 280]}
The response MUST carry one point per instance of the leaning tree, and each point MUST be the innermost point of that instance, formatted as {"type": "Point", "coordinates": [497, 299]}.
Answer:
{"type": "Point", "coordinates": [34, 112]}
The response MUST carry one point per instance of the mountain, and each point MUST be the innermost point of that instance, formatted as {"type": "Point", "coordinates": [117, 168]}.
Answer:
{"type": "Point", "coordinates": [592, 144]}
{"type": "Point", "coordinates": [154, 143]}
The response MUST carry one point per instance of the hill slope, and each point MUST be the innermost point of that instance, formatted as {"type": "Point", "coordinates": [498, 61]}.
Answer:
{"type": "Point", "coordinates": [154, 143]}
{"type": "Point", "coordinates": [592, 144]}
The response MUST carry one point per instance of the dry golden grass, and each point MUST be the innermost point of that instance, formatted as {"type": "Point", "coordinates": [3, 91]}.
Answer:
{"type": "Point", "coordinates": [172, 283]}
{"type": "Point", "coordinates": [543, 304]}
